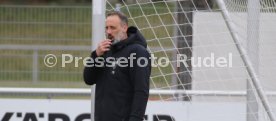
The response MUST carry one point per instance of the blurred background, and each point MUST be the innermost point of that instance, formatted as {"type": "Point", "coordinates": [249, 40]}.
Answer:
{"type": "Point", "coordinates": [31, 29]}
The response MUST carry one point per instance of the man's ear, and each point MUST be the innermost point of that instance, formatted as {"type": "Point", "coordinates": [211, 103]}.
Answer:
{"type": "Point", "coordinates": [125, 26]}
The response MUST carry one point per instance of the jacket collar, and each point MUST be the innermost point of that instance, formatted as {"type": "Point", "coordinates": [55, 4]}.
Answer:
{"type": "Point", "coordinates": [134, 37]}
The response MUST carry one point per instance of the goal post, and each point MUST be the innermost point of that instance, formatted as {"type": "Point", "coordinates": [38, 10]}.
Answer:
{"type": "Point", "coordinates": [98, 34]}
{"type": "Point", "coordinates": [253, 13]}
{"type": "Point", "coordinates": [253, 28]}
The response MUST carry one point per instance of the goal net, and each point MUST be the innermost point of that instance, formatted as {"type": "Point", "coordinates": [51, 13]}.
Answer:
{"type": "Point", "coordinates": [214, 58]}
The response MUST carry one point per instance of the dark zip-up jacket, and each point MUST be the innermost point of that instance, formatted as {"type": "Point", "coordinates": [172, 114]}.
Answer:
{"type": "Point", "coordinates": [121, 92]}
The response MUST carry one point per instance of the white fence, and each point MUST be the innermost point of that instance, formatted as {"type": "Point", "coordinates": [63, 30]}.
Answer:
{"type": "Point", "coordinates": [48, 92]}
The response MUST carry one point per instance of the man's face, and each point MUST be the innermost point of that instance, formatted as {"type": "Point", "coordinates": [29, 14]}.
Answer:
{"type": "Point", "coordinates": [114, 29]}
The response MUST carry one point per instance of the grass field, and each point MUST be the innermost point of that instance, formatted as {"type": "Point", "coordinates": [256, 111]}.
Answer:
{"type": "Point", "coordinates": [54, 25]}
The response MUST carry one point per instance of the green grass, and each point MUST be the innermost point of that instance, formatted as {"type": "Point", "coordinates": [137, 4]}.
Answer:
{"type": "Point", "coordinates": [68, 26]}
{"type": "Point", "coordinates": [51, 26]}
{"type": "Point", "coordinates": [72, 26]}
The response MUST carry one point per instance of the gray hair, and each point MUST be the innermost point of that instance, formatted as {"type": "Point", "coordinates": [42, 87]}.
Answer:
{"type": "Point", "coordinates": [122, 16]}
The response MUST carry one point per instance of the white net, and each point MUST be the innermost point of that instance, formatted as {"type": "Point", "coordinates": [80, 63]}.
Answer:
{"type": "Point", "coordinates": [253, 21]}
{"type": "Point", "coordinates": [211, 84]}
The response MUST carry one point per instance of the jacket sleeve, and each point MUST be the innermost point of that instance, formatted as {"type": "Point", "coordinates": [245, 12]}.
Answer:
{"type": "Point", "coordinates": [91, 72]}
{"type": "Point", "coordinates": [140, 79]}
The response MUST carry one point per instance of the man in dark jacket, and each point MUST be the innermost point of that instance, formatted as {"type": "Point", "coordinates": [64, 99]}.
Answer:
{"type": "Point", "coordinates": [121, 92]}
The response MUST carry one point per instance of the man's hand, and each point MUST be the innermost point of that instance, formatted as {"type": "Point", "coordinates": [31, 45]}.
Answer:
{"type": "Point", "coordinates": [103, 47]}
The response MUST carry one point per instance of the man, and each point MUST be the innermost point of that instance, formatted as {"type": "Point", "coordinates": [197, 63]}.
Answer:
{"type": "Point", "coordinates": [121, 92]}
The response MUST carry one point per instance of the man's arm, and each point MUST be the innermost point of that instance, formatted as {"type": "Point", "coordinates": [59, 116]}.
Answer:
{"type": "Point", "coordinates": [140, 79]}
{"type": "Point", "coordinates": [91, 72]}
